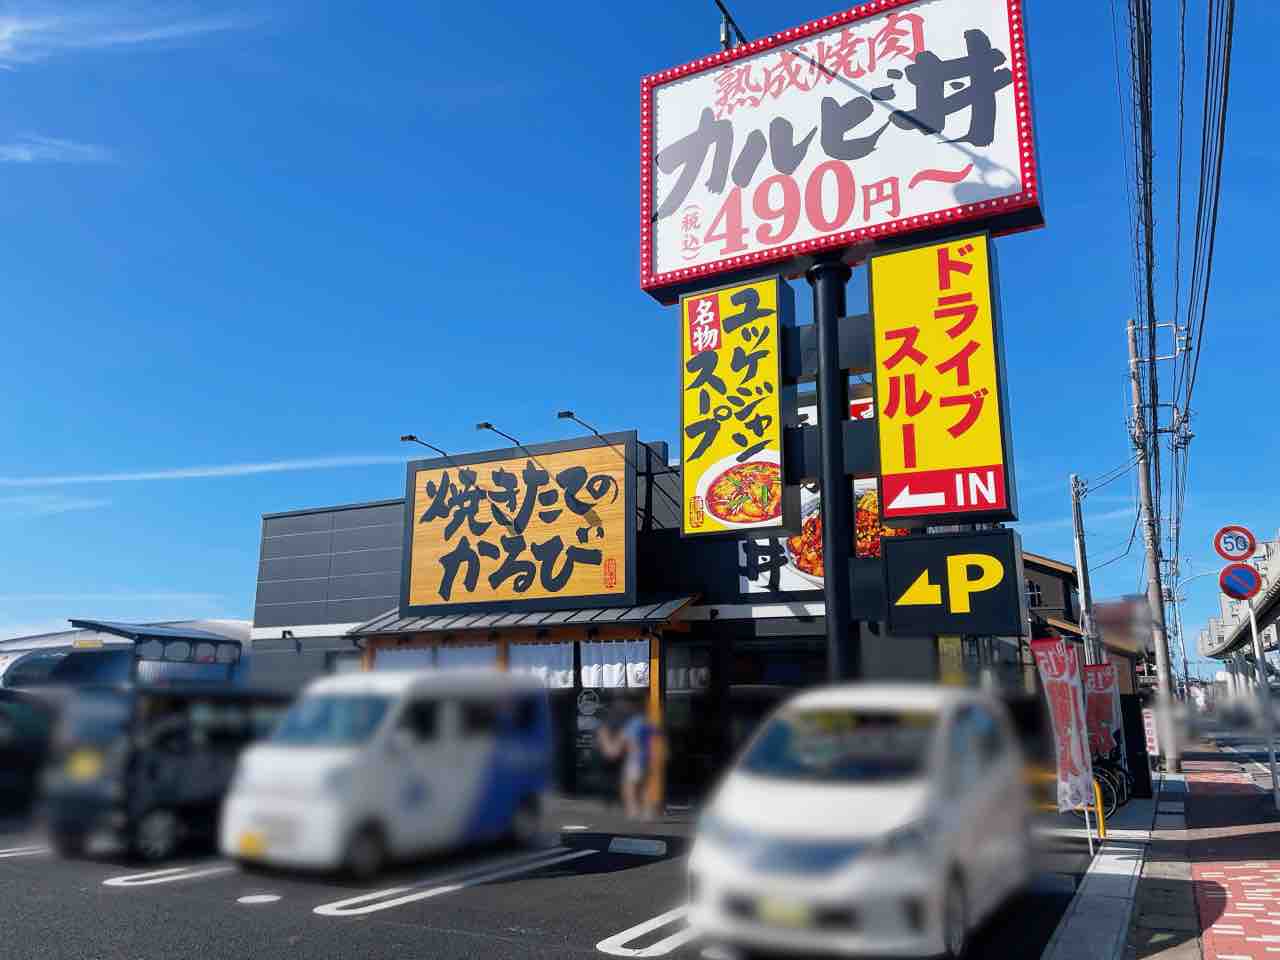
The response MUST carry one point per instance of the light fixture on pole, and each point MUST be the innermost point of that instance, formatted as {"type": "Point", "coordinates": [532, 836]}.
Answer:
{"type": "Point", "coordinates": [486, 425]}
{"type": "Point", "coordinates": [570, 415]}
{"type": "Point", "coordinates": [411, 438]}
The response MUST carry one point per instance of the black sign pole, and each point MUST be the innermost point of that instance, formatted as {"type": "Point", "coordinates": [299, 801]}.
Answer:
{"type": "Point", "coordinates": [828, 278]}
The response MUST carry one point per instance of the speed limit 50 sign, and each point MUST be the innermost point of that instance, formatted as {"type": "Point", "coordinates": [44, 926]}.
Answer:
{"type": "Point", "coordinates": [1234, 542]}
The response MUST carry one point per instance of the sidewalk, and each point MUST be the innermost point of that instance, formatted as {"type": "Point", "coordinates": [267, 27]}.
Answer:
{"type": "Point", "coordinates": [1211, 877]}
{"type": "Point", "coordinates": [1096, 923]}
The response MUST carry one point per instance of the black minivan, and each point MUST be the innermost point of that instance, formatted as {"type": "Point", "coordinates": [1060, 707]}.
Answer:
{"type": "Point", "coordinates": [148, 766]}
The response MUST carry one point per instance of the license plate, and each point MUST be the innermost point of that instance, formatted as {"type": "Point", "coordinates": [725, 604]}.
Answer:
{"type": "Point", "coordinates": [252, 843]}
{"type": "Point", "coordinates": [84, 765]}
{"type": "Point", "coordinates": [784, 913]}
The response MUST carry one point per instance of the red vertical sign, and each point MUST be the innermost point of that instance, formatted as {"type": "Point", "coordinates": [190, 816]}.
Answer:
{"type": "Point", "coordinates": [1059, 666]}
{"type": "Point", "coordinates": [1102, 708]}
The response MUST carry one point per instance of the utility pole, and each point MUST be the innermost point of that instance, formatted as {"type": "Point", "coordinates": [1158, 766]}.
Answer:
{"type": "Point", "coordinates": [1093, 652]}
{"type": "Point", "coordinates": [1155, 592]}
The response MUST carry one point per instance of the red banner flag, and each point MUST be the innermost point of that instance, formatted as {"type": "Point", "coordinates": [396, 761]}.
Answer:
{"type": "Point", "coordinates": [1059, 666]}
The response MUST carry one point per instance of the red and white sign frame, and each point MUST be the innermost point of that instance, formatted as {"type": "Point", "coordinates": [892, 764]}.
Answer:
{"type": "Point", "coordinates": [1235, 530]}
{"type": "Point", "coordinates": [1012, 212]}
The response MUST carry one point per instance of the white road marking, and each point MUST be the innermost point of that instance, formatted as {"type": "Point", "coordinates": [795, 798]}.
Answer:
{"type": "Point", "coordinates": [169, 875]}
{"type": "Point", "coordinates": [399, 896]}
{"type": "Point", "coordinates": [569, 827]}
{"type": "Point", "coordinates": [616, 946]}
{"type": "Point", "coordinates": [641, 846]}
{"type": "Point", "coordinates": [256, 898]}
{"type": "Point", "coordinates": [23, 851]}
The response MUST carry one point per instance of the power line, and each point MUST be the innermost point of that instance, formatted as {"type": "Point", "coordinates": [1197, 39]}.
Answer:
{"type": "Point", "coordinates": [1132, 535]}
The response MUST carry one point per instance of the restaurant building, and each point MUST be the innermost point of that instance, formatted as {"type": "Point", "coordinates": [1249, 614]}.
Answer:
{"type": "Point", "coordinates": [566, 560]}
{"type": "Point", "coordinates": [706, 634]}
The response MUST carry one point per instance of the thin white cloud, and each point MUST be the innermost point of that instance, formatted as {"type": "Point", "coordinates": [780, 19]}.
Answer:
{"type": "Point", "coordinates": [39, 31]}
{"type": "Point", "coordinates": [33, 148]}
{"type": "Point", "coordinates": [193, 473]}
{"type": "Point", "coordinates": [115, 598]}
{"type": "Point", "coordinates": [1064, 522]}
{"type": "Point", "coordinates": [47, 504]}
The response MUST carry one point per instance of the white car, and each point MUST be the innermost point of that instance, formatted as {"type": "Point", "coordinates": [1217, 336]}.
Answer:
{"type": "Point", "coordinates": [869, 819]}
{"type": "Point", "coordinates": [371, 767]}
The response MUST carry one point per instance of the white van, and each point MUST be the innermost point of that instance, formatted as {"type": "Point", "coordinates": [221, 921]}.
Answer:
{"type": "Point", "coordinates": [865, 819]}
{"type": "Point", "coordinates": [371, 767]}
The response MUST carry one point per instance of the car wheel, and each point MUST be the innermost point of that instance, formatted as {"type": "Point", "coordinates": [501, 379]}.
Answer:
{"type": "Point", "coordinates": [526, 822]}
{"type": "Point", "coordinates": [955, 921]}
{"type": "Point", "coordinates": [156, 836]}
{"type": "Point", "coordinates": [69, 845]}
{"type": "Point", "coordinates": [366, 854]}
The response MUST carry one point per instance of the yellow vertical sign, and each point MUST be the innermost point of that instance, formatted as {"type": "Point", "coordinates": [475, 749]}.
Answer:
{"type": "Point", "coordinates": [938, 388]}
{"type": "Point", "coordinates": [730, 407]}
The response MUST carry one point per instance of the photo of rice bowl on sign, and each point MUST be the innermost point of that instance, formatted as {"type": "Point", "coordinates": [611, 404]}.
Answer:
{"type": "Point", "coordinates": [804, 550]}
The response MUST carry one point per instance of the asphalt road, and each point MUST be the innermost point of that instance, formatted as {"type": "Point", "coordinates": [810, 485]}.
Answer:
{"type": "Point", "coordinates": [559, 899]}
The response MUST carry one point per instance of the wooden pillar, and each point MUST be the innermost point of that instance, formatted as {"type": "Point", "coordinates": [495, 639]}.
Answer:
{"type": "Point", "coordinates": [656, 789]}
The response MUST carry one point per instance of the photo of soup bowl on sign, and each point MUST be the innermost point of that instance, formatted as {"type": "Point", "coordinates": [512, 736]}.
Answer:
{"type": "Point", "coordinates": [743, 495]}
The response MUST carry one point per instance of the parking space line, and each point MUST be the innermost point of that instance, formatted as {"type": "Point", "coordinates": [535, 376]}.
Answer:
{"type": "Point", "coordinates": [616, 945]}
{"type": "Point", "coordinates": [30, 851]}
{"type": "Point", "coordinates": [168, 875]}
{"type": "Point", "coordinates": [359, 906]}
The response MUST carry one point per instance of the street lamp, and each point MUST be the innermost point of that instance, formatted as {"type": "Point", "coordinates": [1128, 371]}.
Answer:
{"type": "Point", "coordinates": [1177, 599]}
{"type": "Point", "coordinates": [411, 438]}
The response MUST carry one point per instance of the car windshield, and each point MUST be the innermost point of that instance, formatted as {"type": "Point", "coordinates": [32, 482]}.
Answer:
{"type": "Point", "coordinates": [96, 666]}
{"type": "Point", "coordinates": [842, 745]}
{"type": "Point", "coordinates": [96, 717]}
{"type": "Point", "coordinates": [331, 721]}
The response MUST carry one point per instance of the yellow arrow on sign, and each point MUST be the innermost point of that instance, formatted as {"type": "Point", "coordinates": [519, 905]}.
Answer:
{"type": "Point", "coordinates": [921, 593]}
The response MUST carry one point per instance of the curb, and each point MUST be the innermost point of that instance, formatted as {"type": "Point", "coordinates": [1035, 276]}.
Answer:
{"type": "Point", "coordinates": [1096, 923]}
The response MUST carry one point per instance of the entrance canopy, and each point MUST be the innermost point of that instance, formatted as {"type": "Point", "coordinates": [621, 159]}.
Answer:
{"type": "Point", "coordinates": [391, 622]}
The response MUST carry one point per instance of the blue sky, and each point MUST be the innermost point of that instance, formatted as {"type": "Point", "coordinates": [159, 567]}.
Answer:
{"type": "Point", "coordinates": [267, 240]}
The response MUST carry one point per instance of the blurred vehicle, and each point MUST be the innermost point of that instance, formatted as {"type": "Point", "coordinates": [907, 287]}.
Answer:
{"type": "Point", "coordinates": [370, 767]}
{"type": "Point", "coordinates": [884, 819]}
{"type": "Point", "coordinates": [98, 653]}
{"type": "Point", "coordinates": [148, 766]}
{"type": "Point", "coordinates": [26, 725]}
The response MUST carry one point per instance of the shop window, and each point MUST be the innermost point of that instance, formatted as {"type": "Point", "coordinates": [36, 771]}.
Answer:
{"type": "Point", "coordinates": [1035, 596]}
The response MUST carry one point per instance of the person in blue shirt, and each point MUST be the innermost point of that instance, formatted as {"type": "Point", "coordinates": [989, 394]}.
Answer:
{"type": "Point", "coordinates": [632, 744]}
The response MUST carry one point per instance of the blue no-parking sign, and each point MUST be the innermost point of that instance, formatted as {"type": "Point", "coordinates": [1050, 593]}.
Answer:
{"type": "Point", "coordinates": [1239, 581]}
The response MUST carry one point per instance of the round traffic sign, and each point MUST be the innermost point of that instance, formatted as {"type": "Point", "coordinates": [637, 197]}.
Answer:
{"type": "Point", "coordinates": [1234, 542]}
{"type": "Point", "coordinates": [1239, 581]}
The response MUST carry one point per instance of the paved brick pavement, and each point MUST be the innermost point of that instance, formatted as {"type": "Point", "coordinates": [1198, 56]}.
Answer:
{"type": "Point", "coordinates": [1233, 845]}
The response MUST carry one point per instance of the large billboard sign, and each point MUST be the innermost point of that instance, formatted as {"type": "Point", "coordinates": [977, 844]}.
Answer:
{"type": "Point", "coordinates": [731, 468]}
{"type": "Point", "coordinates": [939, 406]}
{"type": "Point", "coordinates": [540, 527]}
{"type": "Point", "coordinates": [891, 118]}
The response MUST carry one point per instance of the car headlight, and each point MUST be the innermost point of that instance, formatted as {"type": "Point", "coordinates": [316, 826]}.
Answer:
{"type": "Point", "coordinates": [912, 840]}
